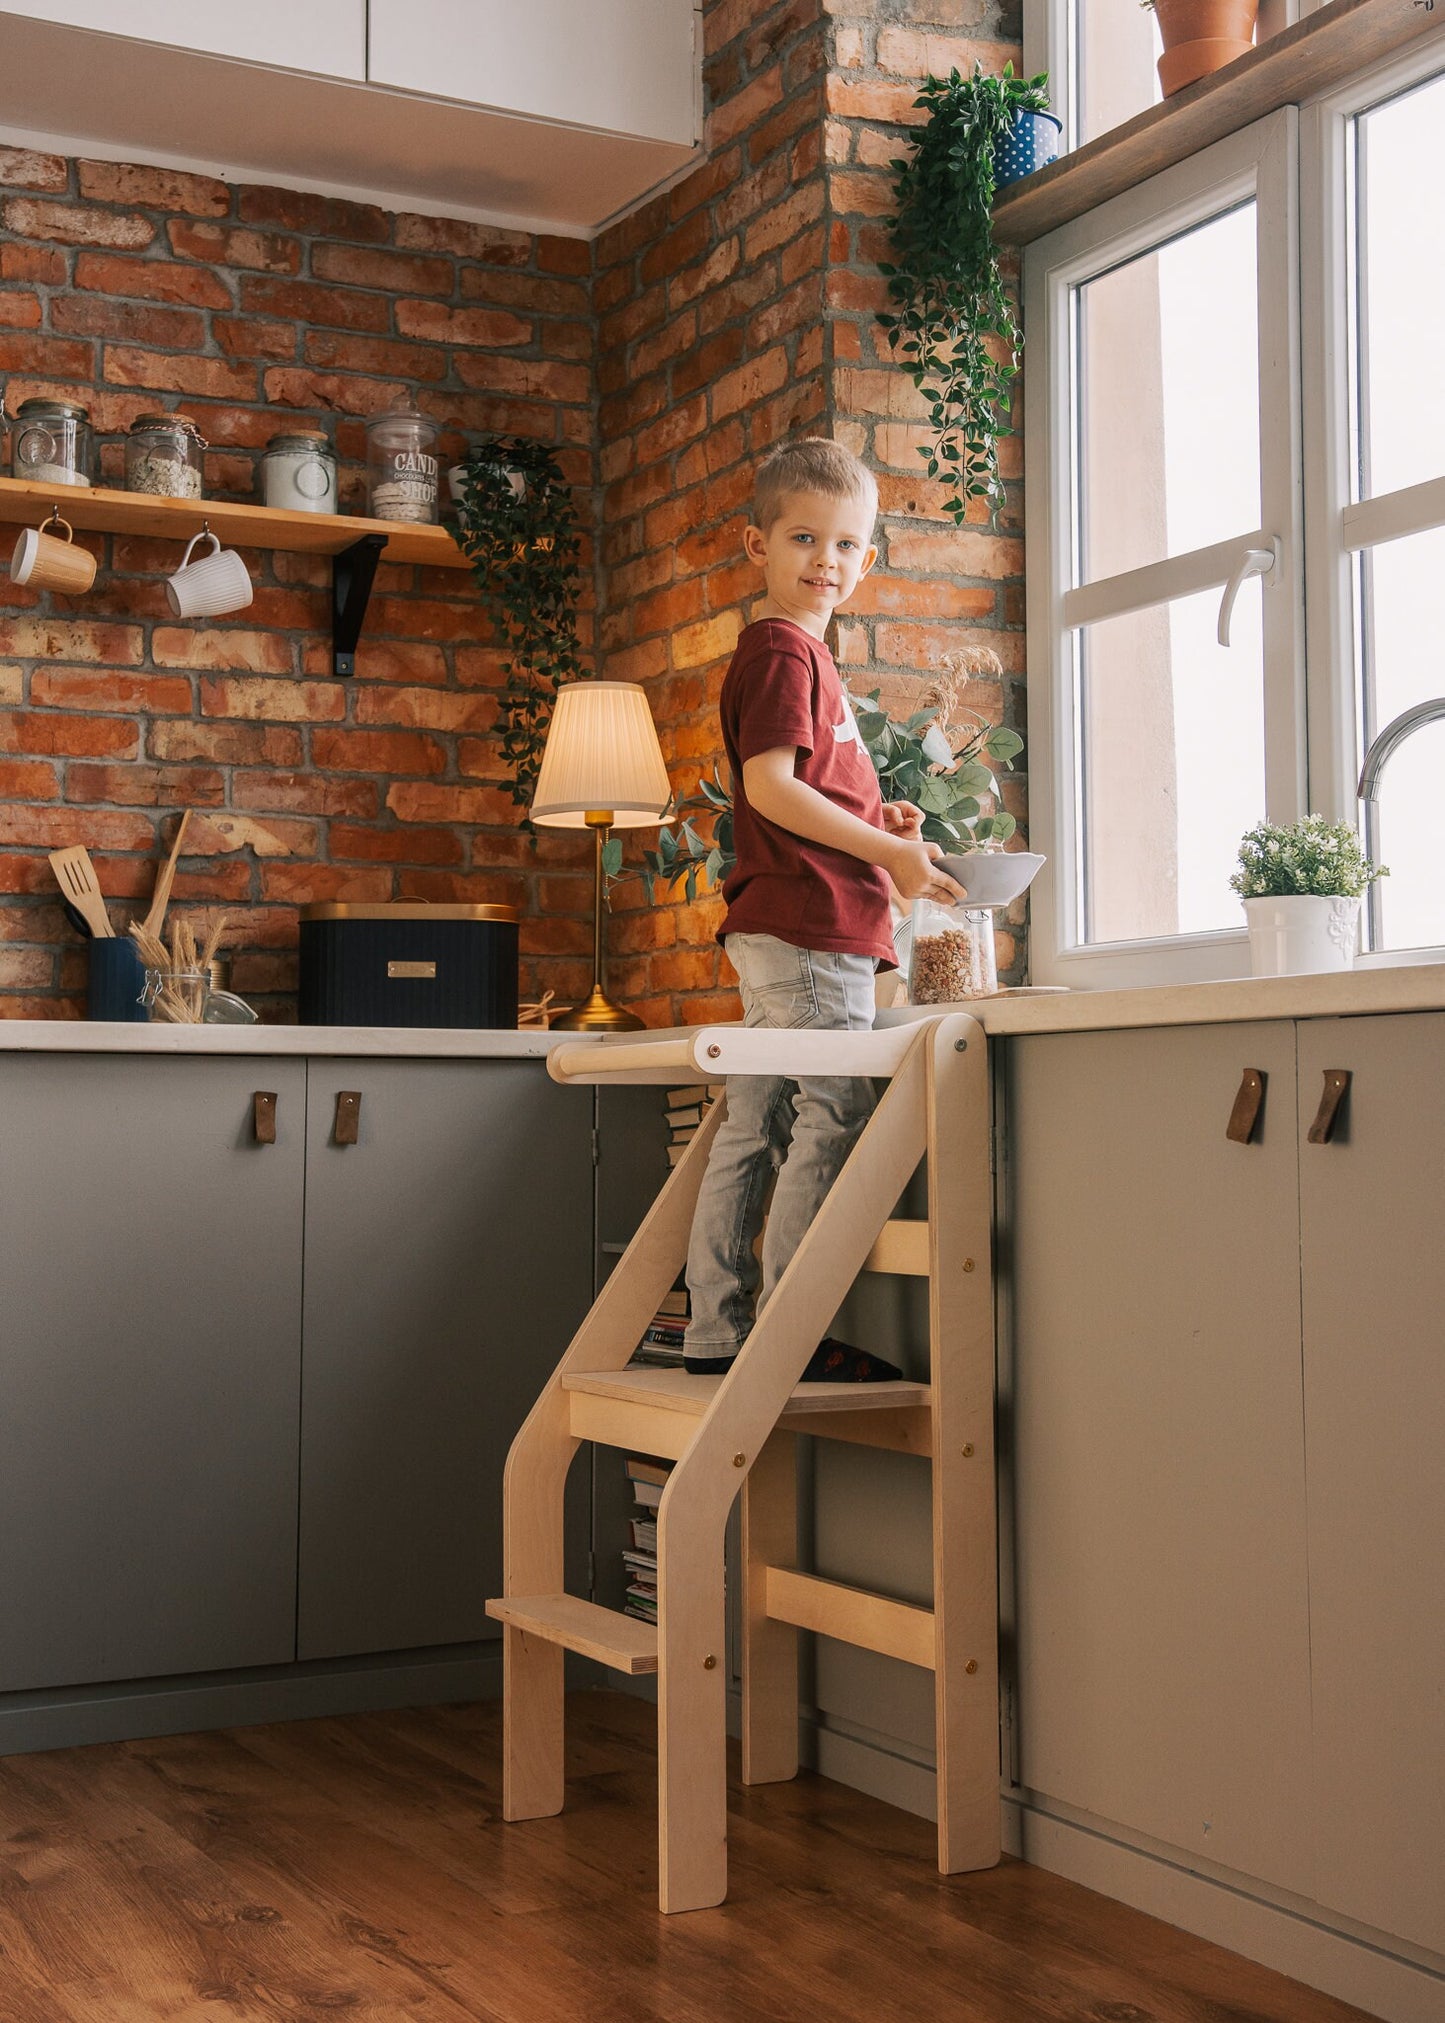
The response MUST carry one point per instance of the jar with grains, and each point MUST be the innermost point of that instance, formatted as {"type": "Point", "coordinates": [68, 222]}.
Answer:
{"type": "Point", "coordinates": [50, 442]}
{"type": "Point", "coordinates": [298, 472]}
{"type": "Point", "coordinates": [953, 955]}
{"type": "Point", "coordinates": [402, 468]}
{"type": "Point", "coordinates": [163, 456]}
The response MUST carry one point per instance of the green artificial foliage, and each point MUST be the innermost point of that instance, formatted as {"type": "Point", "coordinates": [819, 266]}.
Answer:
{"type": "Point", "coordinates": [953, 323]}
{"type": "Point", "coordinates": [522, 540]}
{"type": "Point", "coordinates": [915, 760]}
{"type": "Point", "coordinates": [1313, 858]}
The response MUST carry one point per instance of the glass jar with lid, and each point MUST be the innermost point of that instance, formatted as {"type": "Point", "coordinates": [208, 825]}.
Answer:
{"type": "Point", "coordinates": [298, 472]}
{"type": "Point", "coordinates": [952, 953]}
{"type": "Point", "coordinates": [163, 456]}
{"type": "Point", "coordinates": [50, 442]}
{"type": "Point", "coordinates": [402, 467]}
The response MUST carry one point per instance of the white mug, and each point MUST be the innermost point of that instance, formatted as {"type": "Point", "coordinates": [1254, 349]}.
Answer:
{"type": "Point", "coordinates": [218, 583]}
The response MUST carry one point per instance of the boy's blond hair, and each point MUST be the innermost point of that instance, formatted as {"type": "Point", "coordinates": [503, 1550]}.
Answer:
{"type": "Point", "coordinates": [810, 464]}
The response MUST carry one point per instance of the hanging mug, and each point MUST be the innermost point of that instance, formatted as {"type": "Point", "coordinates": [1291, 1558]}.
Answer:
{"type": "Point", "coordinates": [218, 583]}
{"type": "Point", "coordinates": [47, 561]}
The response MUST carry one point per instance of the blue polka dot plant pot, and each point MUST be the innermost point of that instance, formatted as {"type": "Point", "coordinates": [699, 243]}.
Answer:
{"type": "Point", "coordinates": [1030, 143]}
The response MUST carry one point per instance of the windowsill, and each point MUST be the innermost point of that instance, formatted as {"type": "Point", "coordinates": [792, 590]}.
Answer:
{"type": "Point", "coordinates": [1326, 49]}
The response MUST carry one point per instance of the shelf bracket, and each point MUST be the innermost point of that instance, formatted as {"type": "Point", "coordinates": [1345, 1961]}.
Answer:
{"type": "Point", "coordinates": [352, 574]}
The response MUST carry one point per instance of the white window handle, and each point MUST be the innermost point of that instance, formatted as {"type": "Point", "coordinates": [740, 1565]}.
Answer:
{"type": "Point", "coordinates": [1254, 562]}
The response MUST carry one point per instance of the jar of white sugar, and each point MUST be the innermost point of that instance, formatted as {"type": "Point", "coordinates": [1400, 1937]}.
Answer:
{"type": "Point", "coordinates": [163, 454]}
{"type": "Point", "coordinates": [402, 467]}
{"type": "Point", "coordinates": [50, 443]}
{"type": "Point", "coordinates": [298, 472]}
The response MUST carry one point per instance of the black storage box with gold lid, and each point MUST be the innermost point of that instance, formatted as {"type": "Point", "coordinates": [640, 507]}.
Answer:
{"type": "Point", "coordinates": [408, 964]}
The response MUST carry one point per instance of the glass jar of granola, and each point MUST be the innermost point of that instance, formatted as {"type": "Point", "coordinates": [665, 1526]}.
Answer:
{"type": "Point", "coordinates": [952, 956]}
{"type": "Point", "coordinates": [163, 456]}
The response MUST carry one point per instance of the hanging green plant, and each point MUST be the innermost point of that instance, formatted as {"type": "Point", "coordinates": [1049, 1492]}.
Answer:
{"type": "Point", "coordinates": [953, 326]}
{"type": "Point", "coordinates": [517, 522]}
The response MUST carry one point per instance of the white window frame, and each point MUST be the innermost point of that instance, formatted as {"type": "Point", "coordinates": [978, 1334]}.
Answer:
{"type": "Point", "coordinates": [1261, 162]}
{"type": "Point", "coordinates": [1336, 527]}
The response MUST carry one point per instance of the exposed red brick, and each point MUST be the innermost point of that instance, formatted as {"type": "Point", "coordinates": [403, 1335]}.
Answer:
{"type": "Point", "coordinates": [61, 735]}
{"type": "Point", "coordinates": [98, 316]}
{"type": "Point", "coordinates": [254, 337]}
{"type": "Point", "coordinates": [75, 224]}
{"type": "Point", "coordinates": [23, 169]}
{"type": "Point", "coordinates": [371, 751]}
{"type": "Point", "coordinates": [317, 216]}
{"type": "Point", "coordinates": [373, 354]}
{"type": "Point", "coordinates": [231, 744]}
{"type": "Point", "coordinates": [408, 845]}
{"type": "Point", "coordinates": [308, 302]}
{"type": "Point", "coordinates": [34, 263]}
{"type": "Point", "coordinates": [493, 244]}
{"type": "Point", "coordinates": [145, 785]}
{"type": "Point", "coordinates": [157, 371]}
{"type": "Point", "coordinates": [66, 358]}
{"type": "Point", "coordinates": [153, 189]}
{"type": "Point", "coordinates": [230, 246]}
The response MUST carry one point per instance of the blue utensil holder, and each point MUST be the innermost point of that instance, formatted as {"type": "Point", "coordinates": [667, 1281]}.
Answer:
{"type": "Point", "coordinates": [1032, 142]}
{"type": "Point", "coordinates": [117, 978]}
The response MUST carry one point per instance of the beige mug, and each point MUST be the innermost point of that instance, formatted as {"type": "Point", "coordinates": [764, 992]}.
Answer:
{"type": "Point", "coordinates": [47, 562]}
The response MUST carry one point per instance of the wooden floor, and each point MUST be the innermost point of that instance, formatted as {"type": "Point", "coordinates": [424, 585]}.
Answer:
{"type": "Point", "coordinates": [358, 1869]}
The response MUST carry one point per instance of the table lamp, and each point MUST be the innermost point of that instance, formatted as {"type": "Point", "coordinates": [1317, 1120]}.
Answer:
{"type": "Point", "coordinates": [602, 768]}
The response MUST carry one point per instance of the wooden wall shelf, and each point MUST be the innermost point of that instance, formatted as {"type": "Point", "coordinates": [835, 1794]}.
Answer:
{"type": "Point", "coordinates": [96, 510]}
{"type": "Point", "coordinates": [1326, 49]}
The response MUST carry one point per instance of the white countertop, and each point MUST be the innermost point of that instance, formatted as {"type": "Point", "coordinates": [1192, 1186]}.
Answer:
{"type": "Point", "coordinates": [1400, 987]}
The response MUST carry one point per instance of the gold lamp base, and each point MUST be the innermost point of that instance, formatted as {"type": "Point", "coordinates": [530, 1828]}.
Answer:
{"type": "Point", "coordinates": [598, 1015]}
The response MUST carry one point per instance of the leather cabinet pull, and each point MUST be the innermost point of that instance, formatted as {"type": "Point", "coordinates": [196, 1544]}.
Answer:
{"type": "Point", "coordinates": [263, 1116]}
{"type": "Point", "coordinates": [348, 1116]}
{"type": "Point", "coordinates": [1337, 1082]}
{"type": "Point", "coordinates": [1248, 1104]}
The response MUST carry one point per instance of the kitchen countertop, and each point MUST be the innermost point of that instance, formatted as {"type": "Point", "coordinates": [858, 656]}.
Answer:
{"type": "Point", "coordinates": [1399, 987]}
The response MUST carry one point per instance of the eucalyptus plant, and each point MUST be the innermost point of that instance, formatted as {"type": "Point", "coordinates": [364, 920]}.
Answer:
{"type": "Point", "coordinates": [953, 324]}
{"type": "Point", "coordinates": [517, 523]}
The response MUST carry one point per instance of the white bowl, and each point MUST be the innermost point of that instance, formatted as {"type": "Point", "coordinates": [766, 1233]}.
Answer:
{"type": "Point", "coordinates": [993, 877]}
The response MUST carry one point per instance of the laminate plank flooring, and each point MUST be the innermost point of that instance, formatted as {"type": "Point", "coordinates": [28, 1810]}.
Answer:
{"type": "Point", "coordinates": [359, 1868]}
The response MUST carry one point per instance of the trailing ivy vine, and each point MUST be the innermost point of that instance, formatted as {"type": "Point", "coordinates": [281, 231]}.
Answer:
{"type": "Point", "coordinates": [517, 522]}
{"type": "Point", "coordinates": [953, 325]}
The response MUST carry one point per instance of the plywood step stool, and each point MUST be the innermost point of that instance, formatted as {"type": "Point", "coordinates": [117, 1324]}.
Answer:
{"type": "Point", "coordinates": [737, 1433]}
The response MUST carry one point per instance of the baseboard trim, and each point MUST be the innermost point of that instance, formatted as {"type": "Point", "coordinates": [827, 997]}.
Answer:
{"type": "Point", "coordinates": [175, 1706]}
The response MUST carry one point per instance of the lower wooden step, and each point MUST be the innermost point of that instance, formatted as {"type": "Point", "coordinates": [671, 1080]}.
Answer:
{"type": "Point", "coordinates": [623, 1643]}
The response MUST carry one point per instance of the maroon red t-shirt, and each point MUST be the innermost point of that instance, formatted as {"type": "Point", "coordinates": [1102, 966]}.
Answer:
{"type": "Point", "coordinates": [783, 688]}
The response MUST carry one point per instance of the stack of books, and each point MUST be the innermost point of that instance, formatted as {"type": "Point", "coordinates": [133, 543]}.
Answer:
{"type": "Point", "coordinates": [661, 1344]}
{"type": "Point", "coordinates": [639, 1564]}
{"type": "Point", "coordinates": [686, 1109]}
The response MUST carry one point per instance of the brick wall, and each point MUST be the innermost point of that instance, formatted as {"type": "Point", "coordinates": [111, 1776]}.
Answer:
{"type": "Point", "coordinates": [734, 309]}
{"type": "Point", "coordinates": [663, 361]}
{"type": "Point", "coordinates": [251, 310]}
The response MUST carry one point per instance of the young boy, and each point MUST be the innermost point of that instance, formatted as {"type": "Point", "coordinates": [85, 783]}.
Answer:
{"type": "Point", "coordinates": [808, 920]}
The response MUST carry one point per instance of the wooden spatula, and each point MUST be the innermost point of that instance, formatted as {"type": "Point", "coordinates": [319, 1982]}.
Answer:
{"type": "Point", "coordinates": [161, 897]}
{"type": "Point", "coordinates": [75, 875]}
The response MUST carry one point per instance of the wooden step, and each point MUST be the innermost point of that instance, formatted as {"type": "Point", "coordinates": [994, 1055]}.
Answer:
{"type": "Point", "coordinates": [902, 1248]}
{"type": "Point", "coordinates": [657, 1411]}
{"type": "Point", "coordinates": [624, 1643]}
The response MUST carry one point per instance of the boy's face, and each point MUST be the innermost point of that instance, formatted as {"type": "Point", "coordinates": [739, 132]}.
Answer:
{"type": "Point", "coordinates": [814, 555]}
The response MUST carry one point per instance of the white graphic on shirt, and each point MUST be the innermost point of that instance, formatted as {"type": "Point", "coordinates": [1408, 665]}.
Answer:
{"type": "Point", "coordinates": [846, 732]}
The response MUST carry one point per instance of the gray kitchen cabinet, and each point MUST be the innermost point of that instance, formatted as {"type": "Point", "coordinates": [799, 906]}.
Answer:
{"type": "Point", "coordinates": [150, 1359]}
{"type": "Point", "coordinates": [1373, 1271]}
{"type": "Point", "coordinates": [1163, 1653]}
{"type": "Point", "coordinates": [448, 1262]}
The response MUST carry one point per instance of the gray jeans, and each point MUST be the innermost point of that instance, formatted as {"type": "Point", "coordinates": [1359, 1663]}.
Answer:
{"type": "Point", "coordinates": [802, 1131]}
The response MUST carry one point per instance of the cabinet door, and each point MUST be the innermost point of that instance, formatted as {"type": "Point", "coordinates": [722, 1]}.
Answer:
{"type": "Point", "coordinates": [448, 1263]}
{"type": "Point", "coordinates": [624, 66]}
{"type": "Point", "coordinates": [1373, 1203]}
{"type": "Point", "coordinates": [1163, 1646]}
{"type": "Point", "coordinates": [150, 1287]}
{"type": "Point", "coordinates": [327, 37]}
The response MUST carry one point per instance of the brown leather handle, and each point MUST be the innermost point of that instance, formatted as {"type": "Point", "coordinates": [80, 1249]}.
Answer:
{"type": "Point", "coordinates": [263, 1116]}
{"type": "Point", "coordinates": [348, 1116]}
{"type": "Point", "coordinates": [1337, 1083]}
{"type": "Point", "coordinates": [1248, 1106]}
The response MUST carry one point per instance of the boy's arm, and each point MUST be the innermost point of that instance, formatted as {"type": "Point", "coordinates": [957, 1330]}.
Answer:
{"type": "Point", "coordinates": [774, 789]}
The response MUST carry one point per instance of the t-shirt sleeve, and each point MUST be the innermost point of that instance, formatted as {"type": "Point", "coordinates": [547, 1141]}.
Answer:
{"type": "Point", "coordinates": [774, 701]}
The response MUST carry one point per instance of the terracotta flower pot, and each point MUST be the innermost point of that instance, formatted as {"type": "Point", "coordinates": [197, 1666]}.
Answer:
{"type": "Point", "coordinates": [1206, 20]}
{"type": "Point", "coordinates": [1189, 61]}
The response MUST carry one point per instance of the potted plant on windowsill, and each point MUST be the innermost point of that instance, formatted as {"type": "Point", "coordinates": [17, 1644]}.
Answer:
{"type": "Point", "coordinates": [1302, 885]}
{"type": "Point", "coordinates": [1200, 36]}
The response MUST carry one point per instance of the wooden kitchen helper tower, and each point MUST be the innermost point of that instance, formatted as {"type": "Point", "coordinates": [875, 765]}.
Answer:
{"type": "Point", "coordinates": [737, 1434]}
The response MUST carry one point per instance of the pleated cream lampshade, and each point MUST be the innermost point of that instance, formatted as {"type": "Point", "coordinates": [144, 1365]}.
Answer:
{"type": "Point", "coordinates": [601, 755]}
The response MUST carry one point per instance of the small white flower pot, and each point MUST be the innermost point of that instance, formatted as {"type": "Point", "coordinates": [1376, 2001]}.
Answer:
{"type": "Point", "coordinates": [1301, 934]}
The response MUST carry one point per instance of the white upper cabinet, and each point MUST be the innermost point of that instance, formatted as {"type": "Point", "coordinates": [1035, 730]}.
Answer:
{"type": "Point", "coordinates": [324, 36]}
{"type": "Point", "coordinates": [621, 66]}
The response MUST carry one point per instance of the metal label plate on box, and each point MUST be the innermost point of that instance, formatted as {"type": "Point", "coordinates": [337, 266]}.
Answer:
{"type": "Point", "coordinates": [411, 969]}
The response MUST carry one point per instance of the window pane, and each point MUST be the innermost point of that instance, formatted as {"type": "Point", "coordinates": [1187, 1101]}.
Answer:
{"type": "Point", "coordinates": [1400, 278]}
{"type": "Point", "coordinates": [1172, 730]}
{"type": "Point", "coordinates": [1167, 369]}
{"type": "Point", "coordinates": [1400, 601]}
{"type": "Point", "coordinates": [1115, 50]}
